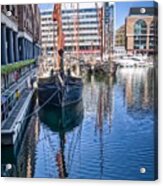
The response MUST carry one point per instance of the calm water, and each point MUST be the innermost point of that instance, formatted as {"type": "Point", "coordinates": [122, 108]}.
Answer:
{"type": "Point", "coordinates": [109, 135]}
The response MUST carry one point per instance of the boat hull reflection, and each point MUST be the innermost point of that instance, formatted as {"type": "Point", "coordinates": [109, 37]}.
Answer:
{"type": "Point", "coordinates": [64, 119]}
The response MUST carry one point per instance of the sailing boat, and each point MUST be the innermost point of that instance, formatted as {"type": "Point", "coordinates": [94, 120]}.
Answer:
{"type": "Point", "coordinates": [64, 89]}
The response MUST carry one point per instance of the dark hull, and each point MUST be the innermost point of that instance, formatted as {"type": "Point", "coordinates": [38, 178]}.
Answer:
{"type": "Point", "coordinates": [60, 95]}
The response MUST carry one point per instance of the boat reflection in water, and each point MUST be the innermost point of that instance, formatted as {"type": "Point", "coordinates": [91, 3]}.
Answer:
{"type": "Point", "coordinates": [61, 121]}
{"type": "Point", "coordinates": [116, 132]}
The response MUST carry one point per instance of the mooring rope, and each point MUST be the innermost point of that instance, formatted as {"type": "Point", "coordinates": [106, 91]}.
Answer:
{"type": "Point", "coordinates": [39, 108]}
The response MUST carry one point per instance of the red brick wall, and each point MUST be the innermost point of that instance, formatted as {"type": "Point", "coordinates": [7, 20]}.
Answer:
{"type": "Point", "coordinates": [130, 22]}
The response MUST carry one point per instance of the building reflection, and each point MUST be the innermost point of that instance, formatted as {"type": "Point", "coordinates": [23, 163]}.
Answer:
{"type": "Point", "coordinates": [105, 109]}
{"type": "Point", "coordinates": [104, 103]}
{"type": "Point", "coordinates": [110, 96]}
{"type": "Point", "coordinates": [64, 145]}
{"type": "Point", "coordinates": [100, 123]}
{"type": "Point", "coordinates": [138, 87]}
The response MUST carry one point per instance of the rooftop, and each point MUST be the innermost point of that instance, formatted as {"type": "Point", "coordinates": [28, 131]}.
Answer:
{"type": "Point", "coordinates": [148, 11]}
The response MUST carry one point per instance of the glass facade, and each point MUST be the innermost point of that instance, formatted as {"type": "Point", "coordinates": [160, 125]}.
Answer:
{"type": "Point", "coordinates": [88, 29]}
{"type": "Point", "coordinates": [140, 38]}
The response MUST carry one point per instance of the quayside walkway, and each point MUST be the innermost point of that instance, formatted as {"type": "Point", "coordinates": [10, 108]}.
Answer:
{"type": "Point", "coordinates": [15, 123]}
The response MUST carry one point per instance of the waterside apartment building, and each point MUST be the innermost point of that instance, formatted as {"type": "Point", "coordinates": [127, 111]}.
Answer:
{"type": "Point", "coordinates": [80, 27]}
{"type": "Point", "coordinates": [142, 30]}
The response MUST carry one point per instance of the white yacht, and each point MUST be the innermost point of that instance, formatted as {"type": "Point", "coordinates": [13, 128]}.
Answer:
{"type": "Point", "coordinates": [133, 61]}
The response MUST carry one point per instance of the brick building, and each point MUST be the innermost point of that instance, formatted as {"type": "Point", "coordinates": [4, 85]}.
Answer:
{"type": "Point", "coordinates": [120, 37]}
{"type": "Point", "coordinates": [18, 40]}
{"type": "Point", "coordinates": [141, 30]}
{"type": "Point", "coordinates": [9, 34]}
{"type": "Point", "coordinates": [36, 27]}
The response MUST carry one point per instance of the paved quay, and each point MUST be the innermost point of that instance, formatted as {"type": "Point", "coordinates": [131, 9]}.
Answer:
{"type": "Point", "coordinates": [14, 124]}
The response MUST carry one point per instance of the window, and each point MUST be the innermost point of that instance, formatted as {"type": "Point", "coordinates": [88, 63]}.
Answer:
{"type": "Point", "coordinates": [140, 31]}
{"type": "Point", "coordinates": [154, 28]}
{"type": "Point", "coordinates": [46, 13]}
{"type": "Point", "coordinates": [13, 10]}
{"type": "Point", "coordinates": [140, 27]}
{"type": "Point", "coordinates": [8, 7]}
{"type": "Point", "coordinates": [153, 40]}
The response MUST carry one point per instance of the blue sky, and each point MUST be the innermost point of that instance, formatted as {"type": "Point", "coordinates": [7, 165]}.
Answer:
{"type": "Point", "coordinates": [122, 9]}
{"type": "Point", "coordinates": [45, 6]}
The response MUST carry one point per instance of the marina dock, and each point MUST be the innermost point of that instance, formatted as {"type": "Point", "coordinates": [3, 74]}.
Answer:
{"type": "Point", "coordinates": [15, 124]}
{"type": "Point", "coordinates": [79, 90]}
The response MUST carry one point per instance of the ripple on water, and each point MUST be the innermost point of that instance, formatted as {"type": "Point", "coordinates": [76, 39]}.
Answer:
{"type": "Point", "coordinates": [115, 138]}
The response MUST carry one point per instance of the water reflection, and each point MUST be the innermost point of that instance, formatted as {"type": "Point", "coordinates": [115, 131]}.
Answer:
{"type": "Point", "coordinates": [107, 136]}
{"type": "Point", "coordinates": [21, 156]}
{"type": "Point", "coordinates": [138, 89]}
{"type": "Point", "coordinates": [61, 120]}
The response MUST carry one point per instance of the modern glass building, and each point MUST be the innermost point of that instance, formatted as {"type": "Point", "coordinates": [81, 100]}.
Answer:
{"type": "Point", "coordinates": [80, 26]}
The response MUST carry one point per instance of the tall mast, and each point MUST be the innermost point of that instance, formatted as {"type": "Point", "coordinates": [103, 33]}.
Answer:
{"type": "Point", "coordinates": [57, 16]}
{"type": "Point", "coordinates": [77, 32]}
{"type": "Point", "coordinates": [76, 29]}
{"type": "Point", "coordinates": [100, 28]}
{"type": "Point", "coordinates": [54, 43]}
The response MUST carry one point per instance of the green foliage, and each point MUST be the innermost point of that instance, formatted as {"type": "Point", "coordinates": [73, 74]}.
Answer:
{"type": "Point", "coordinates": [6, 69]}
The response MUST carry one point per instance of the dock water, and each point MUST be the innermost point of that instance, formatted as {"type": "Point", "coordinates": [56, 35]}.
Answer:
{"type": "Point", "coordinates": [113, 121]}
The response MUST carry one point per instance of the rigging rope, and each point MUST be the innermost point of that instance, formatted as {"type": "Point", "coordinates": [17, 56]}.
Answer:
{"type": "Point", "coordinates": [39, 108]}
